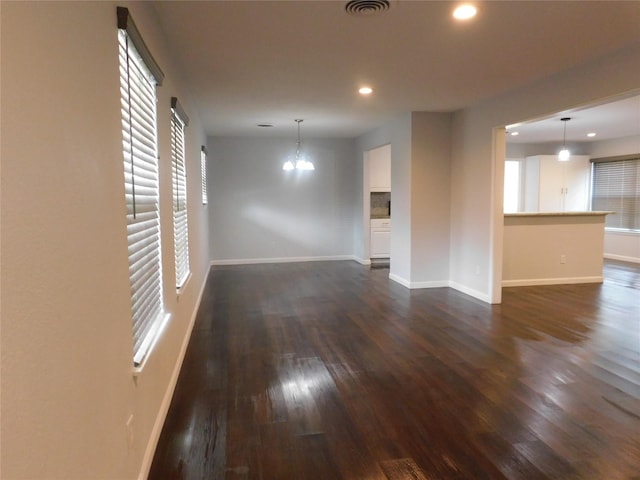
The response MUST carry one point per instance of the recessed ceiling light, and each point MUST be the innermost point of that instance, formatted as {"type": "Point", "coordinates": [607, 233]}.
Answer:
{"type": "Point", "coordinates": [365, 91]}
{"type": "Point", "coordinates": [465, 12]}
{"type": "Point", "coordinates": [592, 134]}
{"type": "Point", "coordinates": [514, 134]}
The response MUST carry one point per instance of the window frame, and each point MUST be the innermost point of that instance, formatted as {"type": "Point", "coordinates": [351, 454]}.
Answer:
{"type": "Point", "coordinates": [139, 77]}
{"type": "Point", "coordinates": [179, 122]}
{"type": "Point", "coordinates": [617, 189]}
{"type": "Point", "coordinates": [203, 174]}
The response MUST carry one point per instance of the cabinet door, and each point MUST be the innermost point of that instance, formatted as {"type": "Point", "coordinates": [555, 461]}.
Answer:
{"type": "Point", "coordinates": [380, 169]}
{"type": "Point", "coordinates": [577, 173]}
{"type": "Point", "coordinates": [380, 244]}
{"type": "Point", "coordinates": [551, 188]}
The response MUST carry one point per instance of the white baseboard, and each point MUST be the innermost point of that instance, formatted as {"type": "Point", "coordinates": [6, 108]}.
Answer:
{"type": "Point", "coordinates": [400, 280]}
{"type": "Point", "coordinates": [551, 281]}
{"type": "Point", "coordinates": [622, 258]}
{"type": "Point", "coordinates": [415, 285]}
{"type": "Point", "coordinates": [361, 261]}
{"type": "Point", "coordinates": [147, 459]}
{"type": "Point", "coordinates": [430, 284]}
{"type": "Point", "coordinates": [251, 261]}
{"type": "Point", "coordinates": [471, 292]}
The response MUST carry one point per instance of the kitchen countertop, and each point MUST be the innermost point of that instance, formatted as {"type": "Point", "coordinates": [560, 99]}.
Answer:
{"type": "Point", "coordinates": [558, 214]}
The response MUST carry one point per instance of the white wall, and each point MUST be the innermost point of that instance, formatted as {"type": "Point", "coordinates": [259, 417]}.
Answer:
{"type": "Point", "coordinates": [615, 146]}
{"type": "Point", "coordinates": [67, 383]}
{"type": "Point", "coordinates": [398, 134]}
{"type": "Point", "coordinates": [261, 213]}
{"type": "Point", "coordinates": [430, 194]}
{"type": "Point", "coordinates": [522, 150]}
{"type": "Point", "coordinates": [477, 173]}
{"type": "Point", "coordinates": [420, 179]}
{"type": "Point", "coordinates": [623, 246]}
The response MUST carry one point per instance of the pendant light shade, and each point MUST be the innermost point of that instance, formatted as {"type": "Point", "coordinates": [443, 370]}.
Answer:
{"type": "Point", "coordinates": [564, 155]}
{"type": "Point", "coordinates": [300, 162]}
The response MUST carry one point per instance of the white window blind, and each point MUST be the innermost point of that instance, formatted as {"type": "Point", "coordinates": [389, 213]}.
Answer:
{"type": "Point", "coordinates": [616, 187]}
{"type": "Point", "coordinates": [179, 121]}
{"type": "Point", "coordinates": [203, 174]}
{"type": "Point", "coordinates": [140, 145]}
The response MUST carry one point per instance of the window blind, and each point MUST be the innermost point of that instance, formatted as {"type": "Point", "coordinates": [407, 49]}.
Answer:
{"type": "Point", "coordinates": [616, 187]}
{"type": "Point", "coordinates": [203, 174]}
{"type": "Point", "coordinates": [140, 147]}
{"type": "Point", "coordinates": [179, 121]}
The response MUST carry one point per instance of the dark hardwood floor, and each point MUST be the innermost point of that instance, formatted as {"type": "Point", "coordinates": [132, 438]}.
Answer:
{"type": "Point", "coordinates": [330, 371]}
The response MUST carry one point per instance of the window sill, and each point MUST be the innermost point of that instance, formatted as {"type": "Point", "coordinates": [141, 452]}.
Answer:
{"type": "Point", "coordinates": [140, 363]}
{"type": "Point", "coordinates": [621, 231]}
{"type": "Point", "coordinates": [180, 290]}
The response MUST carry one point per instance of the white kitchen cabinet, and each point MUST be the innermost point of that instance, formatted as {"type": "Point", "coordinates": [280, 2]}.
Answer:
{"type": "Point", "coordinates": [380, 238]}
{"type": "Point", "coordinates": [554, 186]}
{"type": "Point", "coordinates": [380, 169]}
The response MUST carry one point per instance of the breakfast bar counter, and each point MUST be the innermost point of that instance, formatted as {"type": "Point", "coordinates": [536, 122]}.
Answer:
{"type": "Point", "coordinates": [547, 248]}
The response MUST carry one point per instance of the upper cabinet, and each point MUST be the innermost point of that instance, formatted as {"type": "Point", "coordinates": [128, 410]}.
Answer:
{"type": "Point", "coordinates": [554, 186]}
{"type": "Point", "coordinates": [380, 169]}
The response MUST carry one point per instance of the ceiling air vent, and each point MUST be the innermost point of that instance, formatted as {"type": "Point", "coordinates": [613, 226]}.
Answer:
{"type": "Point", "coordinates": [365, 8]}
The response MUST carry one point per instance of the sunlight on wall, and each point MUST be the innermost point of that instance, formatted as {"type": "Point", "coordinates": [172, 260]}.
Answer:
{"type": "Point", "coordinates": [292, 227]}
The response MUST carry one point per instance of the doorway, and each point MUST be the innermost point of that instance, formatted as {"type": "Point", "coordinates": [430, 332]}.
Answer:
{"type": "Point", "coordinates": [377, 205]}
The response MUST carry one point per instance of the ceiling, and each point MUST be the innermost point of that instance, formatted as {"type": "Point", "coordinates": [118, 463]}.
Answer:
{"type": "Point", "coordinates": [615, 119]}
{"type": "Point", "coordinates": [252, 62]}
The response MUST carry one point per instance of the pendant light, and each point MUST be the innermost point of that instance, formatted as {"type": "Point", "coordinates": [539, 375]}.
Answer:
{"type": "Point", "coordinates": [301, 163]}
{"type": "Point", "coordinates": [564, 155]}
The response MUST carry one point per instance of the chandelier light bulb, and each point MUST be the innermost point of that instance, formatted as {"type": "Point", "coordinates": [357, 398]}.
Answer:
{"type": "Point", "coordinates": [301, 163]}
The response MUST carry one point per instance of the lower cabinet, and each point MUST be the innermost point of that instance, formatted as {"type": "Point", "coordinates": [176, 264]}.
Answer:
{"type": "Point", "coordinates": [380, 245]}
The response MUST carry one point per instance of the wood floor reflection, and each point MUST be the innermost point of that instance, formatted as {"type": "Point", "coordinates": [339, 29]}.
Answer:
{"type": "Point", "coordinates": [329, 370]}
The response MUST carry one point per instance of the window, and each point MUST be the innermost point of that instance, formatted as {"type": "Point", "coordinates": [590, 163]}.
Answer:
{"type": "Point", "coordinates": [203, 173]}
{"type": "Point", "coordinates": [179, 121]}
{"type": "Point", "coordinates": [139, 76]}
{"type": "Point", "coordinates": [616, 187]}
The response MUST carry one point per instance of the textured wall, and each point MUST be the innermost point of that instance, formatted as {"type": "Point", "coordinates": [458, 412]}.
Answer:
{"type": "Point", "coordinates": [67, 383]}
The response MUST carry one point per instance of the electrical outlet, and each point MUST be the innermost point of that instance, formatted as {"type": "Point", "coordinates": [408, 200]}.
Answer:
{"type": "Point", "coordinates": [477, 269]}
{"type": "Point", "coordinates": [563, 259]}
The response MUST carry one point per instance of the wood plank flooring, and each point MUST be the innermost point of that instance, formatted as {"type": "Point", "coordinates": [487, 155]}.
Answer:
{"type": "Point", "coordinates": [329, 370]}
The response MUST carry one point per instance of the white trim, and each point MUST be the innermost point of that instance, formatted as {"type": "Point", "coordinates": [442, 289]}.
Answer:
{"type": "Point", "coordinates": [147, 459]}
{"type": "Point", "coordinates": [430, 284]}
{"type": "Point", "coordinates": [416, 285]}
{"type": "Point", "coordinates": [551, 281]}
{"type": "Point", "coordinates": [621, 231]}
{"type": "Point", "coordinates": [149, 344]}
{"type": "Point", "coordinates": [439, 284]}
{"type": "Point", "coordinates": [181, 289]}
{"type": "Point", "coordinates": [400, 280]}
{"type": "Point", "coordinates": [622, 258]}
{"type": "Point", "coordinates": [250, 261]}
{"type": "Point", "coordinates": [362, 261]}
{"type": "Point", "coordinates": [471, 292]}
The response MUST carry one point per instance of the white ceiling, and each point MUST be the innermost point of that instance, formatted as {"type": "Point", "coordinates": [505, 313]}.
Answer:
{"type": "Point", "coordinates": [250, 62]}
{"type": "Point", "coordinates": [620, 118]}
